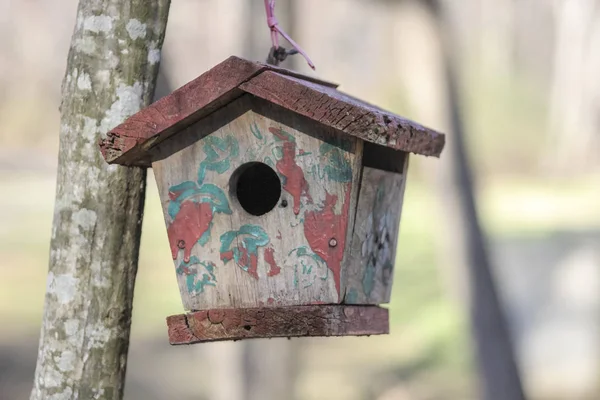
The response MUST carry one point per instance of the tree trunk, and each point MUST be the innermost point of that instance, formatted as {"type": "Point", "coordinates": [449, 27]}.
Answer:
{"type": "Point", "coordinates": [465, 245]}
{"type": "Point", "coordinates": [493, 345]}
{"type": "Point", "coordinates": [573, 118]}
{"type": "Point", "coordinates": [497, 36]}
{"type": "Point", "coordinates": [111, 73]}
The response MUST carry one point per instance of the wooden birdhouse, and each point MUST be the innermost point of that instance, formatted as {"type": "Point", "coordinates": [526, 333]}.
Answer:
{"type": "Point", "coordinates": [281, 198]}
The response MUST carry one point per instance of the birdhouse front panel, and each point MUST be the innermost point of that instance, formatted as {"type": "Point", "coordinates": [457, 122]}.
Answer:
{"type": "Point", "coordinates": [258, 210]}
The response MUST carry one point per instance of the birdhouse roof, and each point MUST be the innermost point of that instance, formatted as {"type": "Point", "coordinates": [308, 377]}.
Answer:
{"type": "Point", "coordinates": [130, 142]}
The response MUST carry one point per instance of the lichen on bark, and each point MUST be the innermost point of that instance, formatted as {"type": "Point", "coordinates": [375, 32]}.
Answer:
{"type": "Point", "coordinates": [111, 73]}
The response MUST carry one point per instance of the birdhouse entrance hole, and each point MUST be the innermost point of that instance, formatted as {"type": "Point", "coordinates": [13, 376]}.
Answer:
{"type": "Point", "coordinates": [257, 187]}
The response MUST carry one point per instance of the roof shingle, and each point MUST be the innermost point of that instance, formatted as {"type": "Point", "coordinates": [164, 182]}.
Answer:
{"type": "Point", "coordinates": [128, 143]}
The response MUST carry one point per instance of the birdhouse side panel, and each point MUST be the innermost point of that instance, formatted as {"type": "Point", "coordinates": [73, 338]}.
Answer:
{"type": "Point", "coordinates": [224, 255]}
{"type": "Point", "coordinates": [369, 272]}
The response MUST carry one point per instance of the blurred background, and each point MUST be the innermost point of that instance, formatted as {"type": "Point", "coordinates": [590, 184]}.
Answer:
{"type": "Point", "coordinates": [522, 78]}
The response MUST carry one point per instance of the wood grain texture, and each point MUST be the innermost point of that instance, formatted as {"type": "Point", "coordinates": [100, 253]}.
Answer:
{"type": "Point", "coordinates": [127, 143]}
{"type": "Point", "coordinates": [292, 255]}
{"type": "Point", "coordinates": [301, 321]}
{"type": "Point", "coordinates": [369, 270]}
{"type": "Point", "coordinates": [130, 142]}
{"type": "Point", "coordinates": [345, 113]}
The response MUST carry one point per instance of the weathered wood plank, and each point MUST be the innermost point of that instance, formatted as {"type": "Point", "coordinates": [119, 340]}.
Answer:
{"type": "Point", "coordinates": [301, 321]}
{"type": "Point", "coordinates": [357, 176]}
{"type": "Point", "coordinates": [128, 142]}
{"type": "Point", "coordinates": [370, 266]}
{"type": "Point", "coordinates": [292, 255]}
{"type": "Point", "coordinates": [198, 98]}
{"type": "Point", "coordinates": [345, 113]}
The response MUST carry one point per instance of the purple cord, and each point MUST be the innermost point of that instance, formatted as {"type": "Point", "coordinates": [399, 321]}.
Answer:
{"type": "Point", "coordinates": [275, 30]}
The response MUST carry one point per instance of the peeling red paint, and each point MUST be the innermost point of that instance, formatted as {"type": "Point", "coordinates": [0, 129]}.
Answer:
{"type": "Point", "coordinates": [191, 222]}
{"type": "Point", "coordinates": [270, 302]}
{"type": "Point", "coordinates": [249, 264]}
{"type": "Point", "coordinates": [321, 226]}
{"type": "Point", "coordinates": [270, 259]}
{"type": "Point", "coordinates": [295, 182]}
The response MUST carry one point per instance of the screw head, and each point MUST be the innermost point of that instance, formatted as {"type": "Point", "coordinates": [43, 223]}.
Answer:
{"type": "Point", "coordinates": [284, 203]}
{"type": "Point", "coordinates": [332, 242]}
{"type": "Point", "coordinates": [181, 244]}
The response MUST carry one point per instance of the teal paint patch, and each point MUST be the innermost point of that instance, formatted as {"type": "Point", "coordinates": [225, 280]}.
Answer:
{"type": "Point", "coordinates": [173, 209]}
{"type": "Point", "coordinates": [216, 197]}
{"type": "Point", "coordinates": [317, 172]}
{"type": "Point", "coordinates": [368, 282]}
{"type": "Point", "coordinates": [245, 253]}
{"type": "Point", "coordinates": [179, 193]}
{"type": "Point", "coordinates": [201, 201]}
{"type": "Point", "coordinates": [219, 153]}
{"type": "Point", "coordinates": [277, 152]}
{"type": "Point", "coordinates": [300, 251]}
{"type": "Point", "coordinates": [351, 296]}
{"type": "Point", "coordinates": [379, 198]}
{"type": "Point", "coordinates": [255, 131]}
{"type": "Point", "coordinates": [205, 236]}
{"type": "Point", "coordinates": [269, 162]}
{"type": "Point", "coordinates": [389, 265]}
{"type": "Point", "coordinates": [182, 188]}
{"type": "Point", "coordinates": [190, 191]}
{"type": "Point", "coordinates": [198, 275]}
{"type": "Point", "coordinates": [308, 267]}
{"type": "Point", "coordinates": [302, 273]}
{"type": "Point", "coordinates": [254, 237]}
{"type": "Point", "coordinates": [337, 168]}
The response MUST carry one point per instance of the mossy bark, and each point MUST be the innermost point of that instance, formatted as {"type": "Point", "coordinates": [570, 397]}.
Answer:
{"type": "Point", "coordinates": [111, 73]}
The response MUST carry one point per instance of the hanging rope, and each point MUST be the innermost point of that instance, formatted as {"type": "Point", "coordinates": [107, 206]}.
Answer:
{"type": "Point", "coordinates": [278, 53]}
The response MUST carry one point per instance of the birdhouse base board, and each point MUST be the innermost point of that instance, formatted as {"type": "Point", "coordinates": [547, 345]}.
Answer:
{"type": "Point", "coordinates": [271, 322]}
